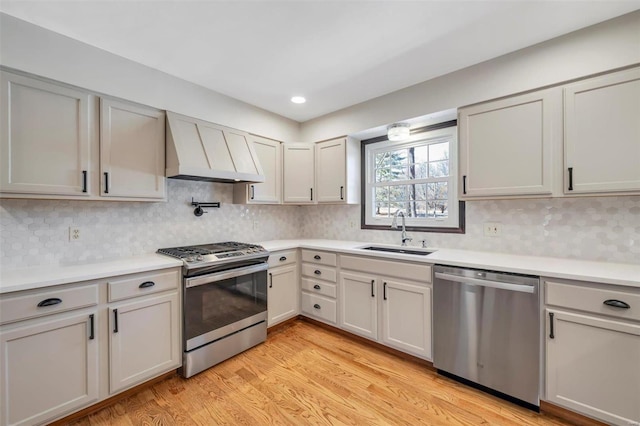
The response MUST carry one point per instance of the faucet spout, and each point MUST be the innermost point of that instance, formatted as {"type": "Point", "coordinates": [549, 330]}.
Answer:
{"type": "Point", "coordinates": [394, 225]}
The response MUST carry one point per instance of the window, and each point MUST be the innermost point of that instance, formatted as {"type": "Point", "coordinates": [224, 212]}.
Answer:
{"type": "Point", "coordinates": [416, 177]}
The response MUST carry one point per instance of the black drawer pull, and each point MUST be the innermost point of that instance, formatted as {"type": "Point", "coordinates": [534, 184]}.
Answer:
{"type": "Point", "coordinates": [253, 192]}
{"type": "Point", "coordinates": [570, 179]}
{"type": "Point", "coordinates": [106, 182]}
{"type": "Point", "coordinates": [384, 291]}
{"type": "Point", "coordinates": [316, 306]}
{"type": "Point", "coordinates": [147, 284]}
{"type": "Point", "coordinates": [617, 303]}
{"type": "Point", "coordinates": [283, 258]}
{"type": "Point", "coordinates": [317, 287]}
{"type": "Point", "coordinates": [317, 272]}
{"type": "Point", "coordinates": [91, 322]}
{"type": "Point", "coordinates": [49, 302]}
{"type": "Point", "coordinates": [464, 184]}
{"type": "Point", "coordinates": [317, 257]}
{"type": "Point", "coordinates": [311, 193]}
{"type": "Point", "coordinates": [372, 284]}
{"type": "Point", "coordinates": [115, 320]}
{"type": "Point", "coordinates": [551, 335]}
{"type": "Point", "coordinates": [342, 192]}
{"type": "Point", "coordinates": [270, 280]}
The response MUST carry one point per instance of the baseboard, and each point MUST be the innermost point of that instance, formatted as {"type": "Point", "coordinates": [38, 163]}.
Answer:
{"type": "Point", "coordinates": [568, 415]}
{"type": "Point", "coordinates": [282, 325]}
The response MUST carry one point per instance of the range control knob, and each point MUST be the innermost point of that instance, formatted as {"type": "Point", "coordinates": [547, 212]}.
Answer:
{"type": "Point", "coordinates": [199, 257]}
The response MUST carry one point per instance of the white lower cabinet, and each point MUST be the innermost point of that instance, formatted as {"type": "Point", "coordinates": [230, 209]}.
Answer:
{"type": "Point", "coordinates": [49, 367]}
{"type": "Point", "coordinates": [142, 340]}
{"type": "Point", "coordinates": [393, 310]}
{"type": "Point", "coordinates": [282, 294]}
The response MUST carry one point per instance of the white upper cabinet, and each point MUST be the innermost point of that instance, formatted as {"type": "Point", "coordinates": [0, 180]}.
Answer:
{"type": "Point", "coordinates": [338, 171]}
{"type": "Point", "coordinates": [506, 145]}
{"type": "Point", "coordinates": [299, 173]}
{"type": "Point", "coordinates": [131, 150]}
{"type": "Point", "coordinates": [269, 153]}
{"type": "Point", "coordinates": [45, 138]}
{"type": "Point", "coordinates": [602, 134]}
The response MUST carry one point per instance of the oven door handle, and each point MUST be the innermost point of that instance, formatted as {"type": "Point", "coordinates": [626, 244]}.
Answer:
{"type": "Point", "coordinates": [224, 275]}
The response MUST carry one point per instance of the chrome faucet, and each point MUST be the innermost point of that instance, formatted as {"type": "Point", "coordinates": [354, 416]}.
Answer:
{"type": "Point", "coordinates": [394, 225]}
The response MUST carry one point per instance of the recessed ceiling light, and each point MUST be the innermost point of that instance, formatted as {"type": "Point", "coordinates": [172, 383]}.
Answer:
{"type": "Point", "coordinates": [298, 99]}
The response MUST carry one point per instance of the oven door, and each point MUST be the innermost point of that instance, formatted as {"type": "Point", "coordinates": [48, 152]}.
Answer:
{"type": "Point", "coordinates": [222, 303]}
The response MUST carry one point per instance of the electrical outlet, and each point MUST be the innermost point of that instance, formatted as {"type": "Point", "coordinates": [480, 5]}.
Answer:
{"type": "Point", "coordinates": [255, 225]}
{"type": "Point", "coordinates": [352, 224]}
{"type": "Point", "coordinates": [492, 229]}
{"type": "Point", "coordinates": [74, 233]}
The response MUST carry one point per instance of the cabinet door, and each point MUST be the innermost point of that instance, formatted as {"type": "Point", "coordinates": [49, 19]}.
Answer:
{"type": "Point", "coordinates": [358, 304]}
{"type": "Point", "coordinates": [144, 340]}
{"type": "Point", "coordinates": [299, 173]}
{"type": "Point", "coordinates": [506, 145]}
{"type": "Point", "coordinates": [131, 151]}
{"type": "Point", "coordinates": [602, 134]}
{"type": "Point", "coordinates": [406, 317]}
{"type": "Point", "coordinates": [593, 366]}
{"type": "Point", "coordinates": [270, 157]}
{"type": "Point", "coordinates": [49, 368]}
{"type": "Point", "coordinates": [45, 137]}
{"type": "Point", "coordinates": [331, 171]}
{"type": "Point", "coordinates": [282, 294]}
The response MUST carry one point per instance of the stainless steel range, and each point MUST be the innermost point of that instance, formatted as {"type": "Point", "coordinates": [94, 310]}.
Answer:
{"type": "Point", "coordinates": [224, 301]}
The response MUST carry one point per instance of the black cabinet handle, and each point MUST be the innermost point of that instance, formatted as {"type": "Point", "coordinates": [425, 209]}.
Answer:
{"type": "Point", "coordinates": [316, 306]}
{"type": "Point", "coordinates": [91, 327]}
{"type": "Point", "coordinates": [147, 284]}
{"type": "Point", "coordinates": [283, 258]}
{"type": "Point", "coordinates": [270, 280]}
{"type": "Point", "coordinates": [115, 320]}
{"type": "Point", "coordinates": [342, 192]}
{"type": "Point", "coordinates": [106, 182]}
{"type": "Point", "coordinates": [317, 272]}
{"type": "Point", "coordinates": [84, 181]}
{"type": "Point", "coordinates": [384, 291]}
{"type": "Point", "coordinates": [311, 193]}
{"type": "Point", "coordinates": [253, 192]}
{"type": "Point", "coordinates": [570, 179]}
{"type": "Point", "coordinates": [372, 284]}
{"type": "Point", "coordinates": [49, 302]}
{"type": "Point", "coordinates": [317, 287]}
{"type": "Point", "coordinates": [617, 303]}
{"type": "Point", "coordinates": [464, 184]}
{"type": "Point", "coordinates": [551, 335]}
{"type": "Point", "coordinates": [317, 257]}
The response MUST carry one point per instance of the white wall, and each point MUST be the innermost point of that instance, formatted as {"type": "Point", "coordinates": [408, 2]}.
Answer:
{"type": "Point", "coordinates": [605, 46]}
{"type": "Point", "coordinates": [33, 49]}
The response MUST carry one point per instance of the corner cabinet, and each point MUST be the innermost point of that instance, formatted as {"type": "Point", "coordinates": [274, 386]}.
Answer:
{"type": "Point", "coordinates": [299, 173]}
{"type": "Point", "coordinates": [131, 150]}
{"type": "Point", "coordinates": [269, 153]}
{"type": "Point", "coordinates": [46, 134]}
{"type": "Point", "coordinates": [338, 171]}
{"type": "Point", "coordinates": [49, 144]}
{"type": "Point", "coordinates": [506, 145]}
{"type": "Point", "coordinates": [602, 134]}
{"type": "Point", "coordinates": [593, 350]}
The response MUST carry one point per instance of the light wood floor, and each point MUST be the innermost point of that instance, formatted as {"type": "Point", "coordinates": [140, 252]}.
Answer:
{"type": "Point", "coordinates": [303, 375]}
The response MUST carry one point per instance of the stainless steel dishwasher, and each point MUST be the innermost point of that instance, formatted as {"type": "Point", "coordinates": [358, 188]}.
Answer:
{"type": "Point", "coordinates": [487, 331]}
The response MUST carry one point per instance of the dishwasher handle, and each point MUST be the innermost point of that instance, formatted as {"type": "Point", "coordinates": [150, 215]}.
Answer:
{"type": "Point", "coordinates": [486, 283]}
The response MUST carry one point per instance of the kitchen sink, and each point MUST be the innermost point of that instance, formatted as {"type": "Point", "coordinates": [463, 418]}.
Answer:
{"type": "Point", "coordinates": [400, 250]}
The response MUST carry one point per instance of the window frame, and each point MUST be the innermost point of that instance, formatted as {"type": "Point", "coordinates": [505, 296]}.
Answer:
{"type": "Point", "coordinates": [434, 132]}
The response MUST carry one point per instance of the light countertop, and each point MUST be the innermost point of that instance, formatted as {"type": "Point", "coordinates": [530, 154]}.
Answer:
{"type": "Point", "coordinates": [45, 276]}
{"type": "Point", "coordinates": [601, 272]}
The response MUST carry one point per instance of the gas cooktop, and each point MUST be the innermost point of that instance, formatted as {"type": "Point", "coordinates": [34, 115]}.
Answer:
{"type": "Point", "coordinates": [210, 254]}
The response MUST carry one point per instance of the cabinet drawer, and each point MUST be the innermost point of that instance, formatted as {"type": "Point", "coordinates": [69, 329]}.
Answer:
{"type": "Point", "coordinates": [319, 257]}
{"type": "Point", "coordinates": [142, 284]}
{"type": "Point", "coordinates": [319, 287]}
{"type": "Point", "coordinates": [590, 298]}
{"type": "Point", "coordinates": [410, 271]}
{"type": "Point", "coordinates": [319, 307]}
{"type": "Point", "coordinates": [319, 272]}
{"type": "Point", "coordinates": [53, 301]}
{"type": "Point", "coordinates": [280, 258]}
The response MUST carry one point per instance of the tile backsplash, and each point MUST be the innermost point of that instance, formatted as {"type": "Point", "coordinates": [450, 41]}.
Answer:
{"type": "Point", "coordinates": [35, 232]}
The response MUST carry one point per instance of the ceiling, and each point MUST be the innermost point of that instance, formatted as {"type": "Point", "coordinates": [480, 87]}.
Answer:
{"type": "Point", "coordinates": [335, 53]}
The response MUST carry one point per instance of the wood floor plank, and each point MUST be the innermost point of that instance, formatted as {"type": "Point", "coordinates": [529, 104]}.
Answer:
{"type": "Point", "coordinates": [307, 375]}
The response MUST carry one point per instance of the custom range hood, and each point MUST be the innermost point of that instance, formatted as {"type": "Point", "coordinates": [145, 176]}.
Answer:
{"type": "Point", "coordinates": [199, 150]}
